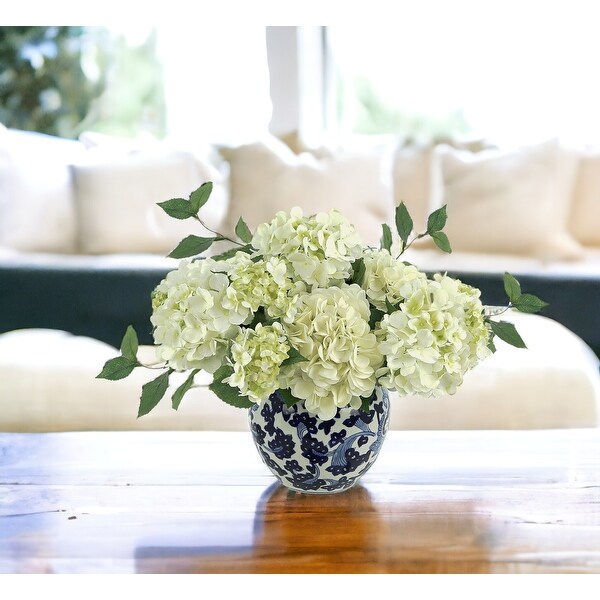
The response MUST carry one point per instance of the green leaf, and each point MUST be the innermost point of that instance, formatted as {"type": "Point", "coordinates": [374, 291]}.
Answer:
{"type": "Point", "coordinates": [178, 208]}
{"type": "Point", "coordinates": [199, 197]}
{"type": "Point", "coordinates": [288, 399]}
{"type": "Point", "coordinates": [491, 344]}
{"type": "Point", "coordinates": [390, 307]}
{"type": "Point", "coordinates": [182, 390]}
{"type": "Point", "coordinates": [508, 333]}
{"type": "Point", "coordinates": [117, 368]}
{"type": "Point", "coordinates": [441, 241]}
{"type": "Point", "coordinates": [404, 222]}
{"type": "Point", "coordinates": [386, 237]}
{"type": "Point", "coordinates": [376, 316]}
{"type": "Point", "coordinates": [365, 404]}
{"type": "Point", "coordinates": [437, 220]}
{"type": "Point", "coordinates": [242, 231]}
{"type": "Point", "coordinates": [193, 245]}
{"type": "Point", "coordinates": [260, 317]}
{"type": "Point", "coordinates": [358, 271]}
{"type": "Point", "coordinates": [129, 344]}
{"type": "Point", "coordinates": [229, 395]}
{"type": "Point", "coordinates": [512, 287]}
{"type": "Point", "coordinates": [222, 372]}
{"type": "Point", "coordinates": [528, 303]}
{"type": "Point", "coordinates": [293, 357]}
{"type": "Point", "coordinates": [152, 393]}
{"type": "Point", "coordinates": [232, 252]}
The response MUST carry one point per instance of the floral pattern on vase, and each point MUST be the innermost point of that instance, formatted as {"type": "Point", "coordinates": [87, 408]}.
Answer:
{"type": "Point", "coordinates": [311, 455]}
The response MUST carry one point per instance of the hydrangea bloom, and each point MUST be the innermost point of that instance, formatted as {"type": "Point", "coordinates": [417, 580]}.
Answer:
{"type": "Point", "coordinates": [331, 330]}
{"type": "Point", "coordinates": [387, 278]}
{"type": "Point", "coordinates": [262, 283]}
{"type": "Point", "coordinates": [192, 322]}
{"type": "Point", "coordinates": [436, 336]}
{"type": "Point", "coordinates": [319, 250]}
{"type": "Point", "coordinates": [256, 355]}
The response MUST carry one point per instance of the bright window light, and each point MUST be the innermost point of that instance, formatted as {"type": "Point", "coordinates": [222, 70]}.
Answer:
{"type": "Point", "coordinates": [513, 75]}
{"type": "Point", "coordinates": [216, 81]}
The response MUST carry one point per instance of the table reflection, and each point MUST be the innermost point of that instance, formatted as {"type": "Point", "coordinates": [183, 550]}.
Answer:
{"type": "Point", "coordinates": [356, 531]}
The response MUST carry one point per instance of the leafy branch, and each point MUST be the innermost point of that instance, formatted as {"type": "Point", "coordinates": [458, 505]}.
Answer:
{"type": "Point", "coordinates": [405, 225]}
{"type": "Point", "coordinates": [153, 391]}
{"type": "Point", "coordinates": [192, 245]}
{"type": "Point", "coordinates": [526, 303]}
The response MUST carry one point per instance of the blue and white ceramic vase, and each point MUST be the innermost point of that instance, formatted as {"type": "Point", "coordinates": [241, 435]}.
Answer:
{"type": "Point", "coordinates": [310, 455]}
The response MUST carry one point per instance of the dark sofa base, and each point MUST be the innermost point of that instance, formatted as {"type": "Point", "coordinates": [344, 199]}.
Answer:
{"type": "Point", "coordinates": [102, 303]}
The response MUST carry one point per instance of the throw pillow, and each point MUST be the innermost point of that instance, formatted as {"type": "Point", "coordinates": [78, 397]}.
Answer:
{"type": "Point", "coordinates": [585, 216]}
{"type": "Point", "coordinates": [117, 200]}
{"type": "Point", "coordinates": [37, 211]}
{"type": "Point", "coordinates": [266, 177]}
{"type": "Point", "coordinates": [412, 176]}
{"type": "Point", "coordinates": [512, 202]}
{"type": "Point", "coordinates": [415, 179]}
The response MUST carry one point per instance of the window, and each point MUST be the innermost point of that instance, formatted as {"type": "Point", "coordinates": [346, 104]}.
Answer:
{"type": "Point", "coordinates": [207, 84]}
{"type": "Point", "coordinates": [216, 81]}
{"type": "Point", "coordinates": [511, 75]}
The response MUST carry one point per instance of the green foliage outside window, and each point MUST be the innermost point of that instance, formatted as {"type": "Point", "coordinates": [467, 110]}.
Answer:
{"type": "Point", "coordinates": [373, 115]}
{"type": "Point", "coordinates": [63, 80]}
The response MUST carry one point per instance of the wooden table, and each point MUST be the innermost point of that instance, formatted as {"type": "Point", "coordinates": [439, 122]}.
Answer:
{"type": "Point", "coordinates": [202, 502]}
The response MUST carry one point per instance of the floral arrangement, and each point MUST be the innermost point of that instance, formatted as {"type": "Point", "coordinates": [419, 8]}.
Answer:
{"type": "Point", "coordinates": [303, 307]}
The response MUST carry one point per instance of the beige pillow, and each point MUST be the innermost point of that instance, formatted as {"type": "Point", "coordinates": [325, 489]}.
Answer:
{"type": "Point", "coordinates": [412, 176]}
{"type": "Point", "coordinates": [512, 202]}
{"type": "Point", "coordinates": [415, 179]}
{"type": "Point", "coordinates": [37, 211]}
{"type": "Point", "coordinates": [266, 177]}
{"type": "Point", "coordinates": [117, 201]}
{"type": "Point", "coordinates": [585, 216]}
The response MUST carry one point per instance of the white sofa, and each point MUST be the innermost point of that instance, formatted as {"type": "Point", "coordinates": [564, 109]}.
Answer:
{"type": "Point", "coordinates": [90, 206]}
{"type": "Point", "coordinates": [48, 384]}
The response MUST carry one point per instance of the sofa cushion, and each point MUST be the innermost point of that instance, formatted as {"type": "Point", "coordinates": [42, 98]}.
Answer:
{"type": "Point", "coordinates": [413, 182]}
{"type": "Point", "coordinates": [553, 384]}
{"type": "Point", "coordinates": [266, 177]}
{"type": "Point", "coordinates": [414, 178]}
{"type": "Point", "coordinates": [513, 202]}
{"type": "Point", "coordinates": [585, 215]}
{"type": "Point", "coordinates": [116, 199]}
{"type": "Point", "coordinates": [37, 211]}
{"type": "Point", "coordinates": [48, 384]}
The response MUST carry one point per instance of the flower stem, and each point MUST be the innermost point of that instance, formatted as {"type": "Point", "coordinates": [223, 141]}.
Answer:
{"type": "Point", "coordinates": [495, 311]}
{"type": "Point", "coordinates": [409, 244]}
{"type": "Point", "coordinates": [219, 235]}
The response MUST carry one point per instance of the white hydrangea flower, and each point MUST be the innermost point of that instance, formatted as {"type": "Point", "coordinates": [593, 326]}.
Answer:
{"type": "Point", "coordinates": [331, 330]}
{"type": "Point", "coordinates": [256, 356]}
{"type": "Point", "coordinates": [387, 278]}
{"type": "Point", "coordinates": [318, 250]}
{"type": "Point", "coordinates": [192, 320]}
{"type": "Point", "coordinates": [436, 336]}
{"type": "Point", "coordinates": [262, 283]}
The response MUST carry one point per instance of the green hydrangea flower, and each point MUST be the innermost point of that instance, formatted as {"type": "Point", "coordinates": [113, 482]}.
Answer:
{"type": "Point", "coordinates": [331, 331]}
{"type": "Point", "coordinates": [318, 250]}
{"type": "Point", "coordinates": [433, 339]}
{"type": "Point", "coordinates": [389, 279]}
{"type": "Point", "coordinates": [192, 327]}
{"type": "Point", "coordinates": [262, 283]}
{"type": "Point", "coordinates": [256, 357]}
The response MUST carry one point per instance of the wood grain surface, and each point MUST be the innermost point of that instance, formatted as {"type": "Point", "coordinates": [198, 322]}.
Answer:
{"type": "Point", "coordinates": [203, 502]}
